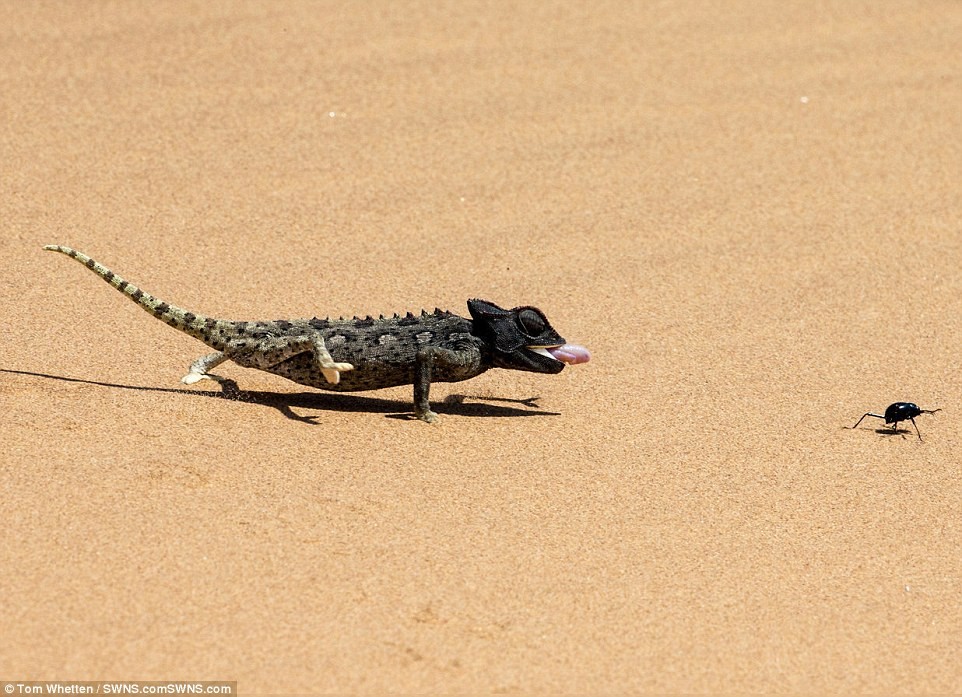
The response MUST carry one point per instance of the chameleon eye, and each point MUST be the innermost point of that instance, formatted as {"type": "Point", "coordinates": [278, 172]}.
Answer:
{"type": "Point", "coordinates": [532, 323]}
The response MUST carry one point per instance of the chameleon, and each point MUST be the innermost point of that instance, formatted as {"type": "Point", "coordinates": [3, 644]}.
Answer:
{"type": "Point", "coordinates": [363, 353]}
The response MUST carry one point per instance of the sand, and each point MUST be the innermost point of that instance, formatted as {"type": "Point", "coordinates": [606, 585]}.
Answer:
{"type": "Point", "coordinates": [750, 213]}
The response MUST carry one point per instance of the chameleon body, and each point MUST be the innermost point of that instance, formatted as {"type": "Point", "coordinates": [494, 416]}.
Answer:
{"type": "Point", "coordinates": [366, 353]}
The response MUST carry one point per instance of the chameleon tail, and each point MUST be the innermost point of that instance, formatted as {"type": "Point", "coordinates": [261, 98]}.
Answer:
{"type": "Point", "coordinates": [211, 331]}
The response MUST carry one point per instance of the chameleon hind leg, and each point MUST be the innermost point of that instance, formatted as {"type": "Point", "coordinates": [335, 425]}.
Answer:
{"type": "Point", "coordinates": [267, 352]}
{"type": "Point", "coordinates": [198, 369]}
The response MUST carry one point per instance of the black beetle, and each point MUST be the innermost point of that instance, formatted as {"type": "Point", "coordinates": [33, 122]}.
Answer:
{"type": "Point", "coordinates": [900, 411]}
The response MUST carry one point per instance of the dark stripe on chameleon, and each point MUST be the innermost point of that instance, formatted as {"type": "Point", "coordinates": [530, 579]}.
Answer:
{"type": "Point", "coordinates": [162, 308]}
{"type": "Point", "coordinates": [189, 318]}
{"type": "Point", "coordinates": [90, 263]}
{"type": "Point", "coordinates": [137, 294]}
{"type": "Point", "coordinates": [109, 276]}
{"type": "Point", "coordinates": [122, 285]}
{"type": "Point", "coordinates": [210, 323]}
{"type": "Point", "coordinates": [71, 253]}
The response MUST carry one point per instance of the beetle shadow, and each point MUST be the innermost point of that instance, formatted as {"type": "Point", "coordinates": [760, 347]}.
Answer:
{"type": "Point", "coordinates": [884, 431]}
{"type": "Point", "coordinates": [893, 432]}
{"type": "Point", "coordinates": [286, 402]}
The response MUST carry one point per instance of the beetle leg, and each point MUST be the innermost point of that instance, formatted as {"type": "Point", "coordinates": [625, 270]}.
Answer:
{"type": "Point", "coordinates": [868, 413]}
{"type": "Point", "coordinates": [916, 428]}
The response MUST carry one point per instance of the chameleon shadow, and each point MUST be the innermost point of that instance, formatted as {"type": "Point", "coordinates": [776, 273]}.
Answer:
{"type": "Point", "coordinates": [285, 402]}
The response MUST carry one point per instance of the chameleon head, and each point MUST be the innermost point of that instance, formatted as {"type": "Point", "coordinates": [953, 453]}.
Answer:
{"type": "Point", "coordinates": [522, 338]}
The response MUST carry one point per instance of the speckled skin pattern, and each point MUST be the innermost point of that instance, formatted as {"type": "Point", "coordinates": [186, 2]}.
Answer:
{"type": "Point", "coordinates": [361, 353]}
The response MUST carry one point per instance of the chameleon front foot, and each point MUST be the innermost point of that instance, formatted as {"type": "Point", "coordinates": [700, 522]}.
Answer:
{"type": "Point", "coordinates": [332, 372]}
{"type": "Point", "coordinates": [427, 416]}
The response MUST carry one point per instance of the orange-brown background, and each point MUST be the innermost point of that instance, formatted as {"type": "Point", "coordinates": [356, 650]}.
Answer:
{"type": "Point", "coordinates": [749, 212]}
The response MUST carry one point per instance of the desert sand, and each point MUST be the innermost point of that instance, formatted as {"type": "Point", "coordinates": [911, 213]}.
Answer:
{"type": "Point", "coordinates": [750, 213]}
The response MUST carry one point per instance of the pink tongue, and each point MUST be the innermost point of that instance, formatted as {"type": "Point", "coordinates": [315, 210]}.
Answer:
{"type": "Point", "coordinates": [570, 354]}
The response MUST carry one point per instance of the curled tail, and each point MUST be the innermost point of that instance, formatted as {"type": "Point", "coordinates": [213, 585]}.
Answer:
{"type": "Point", "coordinates": [213, 332]}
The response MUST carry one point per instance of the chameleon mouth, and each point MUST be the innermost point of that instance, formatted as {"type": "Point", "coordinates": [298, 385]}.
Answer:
{"type": "Point", "coordinates": [569, 354]}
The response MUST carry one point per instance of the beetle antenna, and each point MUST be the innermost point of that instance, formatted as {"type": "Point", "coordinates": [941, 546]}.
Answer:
{"type": "Point", "coordinates": [930, 411]}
